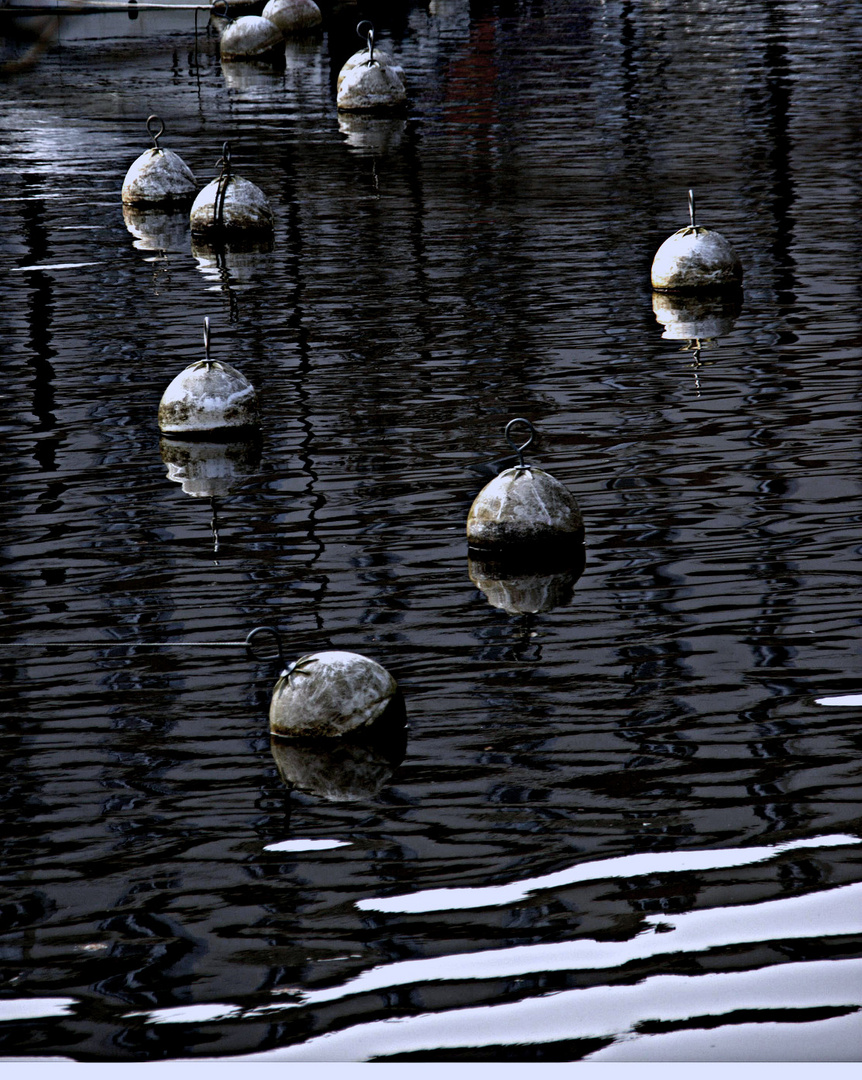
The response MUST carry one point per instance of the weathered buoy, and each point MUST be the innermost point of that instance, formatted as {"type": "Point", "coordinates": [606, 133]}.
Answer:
{"type": "Point", "coordinates": [523, 510]}
{"type": "Point", "coordinates": [250, 37]}
{"type": "Point", "coordinates": [695, 258]}
{"type": "Point", "coordinates": [158, 177]}
{"type": "Point", "coordinates": [293, 16]}
{"type": "Point", "coordinates": [369, 81]}
{"type": "Point", "coordinates": [328, 695]}
{"type": "Point", "coordinates": [230, 204]}
{"type": "Point", "coordinates": [208, 396]}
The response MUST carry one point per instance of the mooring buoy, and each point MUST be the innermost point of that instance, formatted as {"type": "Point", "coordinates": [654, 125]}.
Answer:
{"type": "Point", "coordinates": [250, 37]}
{"type": "Point", "coordinates": [329, 694]}
{"type": "Point", "coordinates": [524, 510]}
{"type": "Point", "coordinates": [158, 176]}
{"type": "Point", "coordinates": [208, 396]}
{"type": "Point", "coordinates": [369, 80]}
{"type": "Point", "coordinates": [695, 258]}
{"type": "Point", "coordinates": [230, 204]}
{"type": "Point", "coordinates": [293, 16]}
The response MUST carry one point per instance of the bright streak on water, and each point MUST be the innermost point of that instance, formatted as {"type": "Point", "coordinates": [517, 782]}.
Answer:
{"type": "Point", "coordinates": [35, 1008]}
{"type": "Point", "coordinates": [821, 914]}
{"type": "Point", "coordinates": [306, 845]}
{"type": "Point", "coordinates": [845, 699]}
{"type": "Point", "coordinates": [594, 1012]}
{"type": "Point", "coordinates": [627, 866]}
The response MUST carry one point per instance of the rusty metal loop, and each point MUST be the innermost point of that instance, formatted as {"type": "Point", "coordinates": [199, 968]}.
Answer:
{"type": "Point", "coordinates": [155, 135]}
{"type": "Point", "coordinates": [222, 4]}
{"type": "Point", "coordinates": [519, 450]}
{"type": "Point", "coordinates": [265, 631]}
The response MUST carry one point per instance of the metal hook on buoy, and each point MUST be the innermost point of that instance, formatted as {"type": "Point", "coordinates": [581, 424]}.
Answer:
{"type": "Point", "coordinates": [519, 450]}
{"type": "Point", "coordinates": [207, 338]}
{"type": "Point", "coordinates": [264, 631]}
{"type": "Point", "coordinates": [153, 119]}
{"type": "Point", "coordinates": [221, 188]}
{"type": "Point", "coordinates": [691, 208]}
{"type": "Point", "coordinates": [367, 36]}
{"type": "Point", "coordinates": [220, 3]}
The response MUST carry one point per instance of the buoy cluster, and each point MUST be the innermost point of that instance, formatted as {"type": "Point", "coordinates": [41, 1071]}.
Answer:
{"type": "Point", "coordinates": [262, 37]}
{"type": "Point", "coordinates": [228, 206]}
{"type": "Point", "coordinates": [524, 530]}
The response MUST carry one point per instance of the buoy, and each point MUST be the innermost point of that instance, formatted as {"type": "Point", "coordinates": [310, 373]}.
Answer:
{"type": "Point", "coordinates": [695, 258]}
{"type": "Point", "coordinates": [293, 16]}
{"type": "Point", "coordinates": [524, 510]}
{"type": "Point", "coordinates": [230, 204]}
{"type": "Point", "coordinates": [369, 81]}
{"type": "Point", "coordinates": [250, 37]}
{"type": "Point", "coordinates": [329, 694]}
{"type": "Point", "coordinates": [158, 176]}
{"type": "Point", "coordinates": [208, 396]}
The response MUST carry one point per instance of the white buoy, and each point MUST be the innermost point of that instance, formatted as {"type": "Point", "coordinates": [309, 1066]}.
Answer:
{"type": "Point", "coordinates": [230, 204]}
{"type": "Point", "coordinates": [208, 396]}
{"type": "Point", "coordinates": [250, 37]}
{"type": "Point", "coordinates": [158, 176]}
{"type": "Point", "coordinates": [524, 509]}
{"type": "Point", "coordinates": [695, 258]}
{"type": "Point", "coordinates": [293, 16]}
{"type": "Point", "coordinates": [328, 695]}
{"type": "Point", "coordinates": [369, 80]}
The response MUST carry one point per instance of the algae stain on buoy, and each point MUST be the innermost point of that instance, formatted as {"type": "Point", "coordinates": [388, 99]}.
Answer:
{"type": "Point", "coordinates": [230, 205]}
{"type": "Point", "coordinates": [524, 510]}
{"type": "Point", "coordinates": [330, 694]}
{"type": "Point", "coordinates": [158, 177]}
{"type": "Point", "coordinates": [695, 258]}
{"type": "Point", "coordinates": [208, 396]}
{"type": "Point", "coordinates": [370, 81]}
{"type": "Point", "coordinates": [293, 16]}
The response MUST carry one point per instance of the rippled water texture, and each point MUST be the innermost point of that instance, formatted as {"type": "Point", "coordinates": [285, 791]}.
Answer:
{"type": "Point", "coordinates": [625, 824]}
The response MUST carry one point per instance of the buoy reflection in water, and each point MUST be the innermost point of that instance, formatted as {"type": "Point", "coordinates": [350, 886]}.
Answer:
{"type": "Point", "coordinates": [346, 769]}
{"type": "Point", "coordinates": [371, 134]}
{"type": "Point", "coordinates": [698, 319]}
{"type": "Point", "coordinates": [157, 229]}
{"type": "Point", "coordinates": [209, 468]}
{"type": "Point", "coordinates": [525, 586]}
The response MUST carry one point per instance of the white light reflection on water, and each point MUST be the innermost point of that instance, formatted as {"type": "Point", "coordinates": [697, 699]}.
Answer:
{"type": "Point", "coordinates": [35, 1008]}
{"type": "Point", "coordinates": [822, 915]}
{"type": "Point", "coordinates": [844, 699]}
{"type": "Point", "coordinates": [627, 866]}
{"type": "Point", "coordinates": [594, 1012]}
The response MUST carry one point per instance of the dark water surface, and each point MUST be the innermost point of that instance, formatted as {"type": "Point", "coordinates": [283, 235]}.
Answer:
{"type": "Point", "coordinates": [646, 826]}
